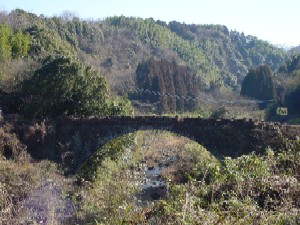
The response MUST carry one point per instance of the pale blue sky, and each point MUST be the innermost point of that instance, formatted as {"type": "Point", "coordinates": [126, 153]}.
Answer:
{"type": "Point", "coordinates": [276, 21]}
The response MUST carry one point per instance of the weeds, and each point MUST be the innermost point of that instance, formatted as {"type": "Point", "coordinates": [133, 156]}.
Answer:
{"type": "Point", "coordinates": [251, 189]}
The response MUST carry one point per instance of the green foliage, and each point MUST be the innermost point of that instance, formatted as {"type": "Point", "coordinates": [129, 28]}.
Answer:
{"type": "Point", "coordinates": [251, 189]}
{"type": "Point", "coordinates": [120, 106]}
{"type": "Point", "coordinates": [194, 161]}
{"type": "Point", "coordinates": [48, 43]}
{"type": "Point", "coordinates": [293, 100]}
{"type": "Point", "coordinates": [240, 192]}
{"type": "Point", "coordinates": [230, 51]}
{"type": "Point", "coordinates": [218, 57]}
{"type": "Point", "coordinates": [109, 198]}
{"type": "Point", "coordinates": [160, 37]}
{"type": "Point", "coordinates": [5, 47]}
{"type": "Point", "coordinates": [245, 169]}
{"type": "Point", "coordinates": [64, 87]}
{"type": "Point", "coordinates": [20, 44]}
{"type": "Point", "coordinates": [291, 65]}
{"type": "Point", "coordinates": [12, 45]}
{"type": "Point", "coordinates": [288, 85]}
{"type": "Point", "coordinates": [92, 168]}
{"type": "Point", "coordinates": [259, 84]}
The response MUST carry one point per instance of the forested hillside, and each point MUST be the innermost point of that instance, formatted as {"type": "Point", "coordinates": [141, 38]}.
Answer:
{"type": "Point", "coordinates": [116, 47]}
{"type": "Point", "coordinates": [230, 51]}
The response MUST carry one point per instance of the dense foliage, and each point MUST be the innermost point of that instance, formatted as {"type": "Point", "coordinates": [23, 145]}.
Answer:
{"type": "Point", "coordinates": [287, 82]}
{"type": "Point", "coordinates": [293, 100]}
{"type": "Point", "coordinates": [231, 51]}
{"type": "Point", "coordinates": [63, 87]}
{"type": "Point", "coordinates": [292, 65]}
{"type": "Point", "coordinates": [259, 84]}
{"type": "Point", "coordinates": [117, 45]}
{"type": "Point", "coordinates": [13, 44]}
{"type": "Point", "coordinates": [219, 58]}
{"type": "Point", "coordinates": [171, 83]}
{"type": "Point", "coordinates": [248, 190]}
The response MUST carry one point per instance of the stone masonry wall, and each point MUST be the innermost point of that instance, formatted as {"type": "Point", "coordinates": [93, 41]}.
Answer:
{"type": "Point", "coordinates": [71, 141]}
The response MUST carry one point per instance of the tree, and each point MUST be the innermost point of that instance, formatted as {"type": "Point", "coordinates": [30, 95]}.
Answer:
{"type": "Point", "coordinates": [13, 45]}
{"type": "Point", "coordinates": [5, 47]}
{"type": "Point", "coordinates": [259, 84]}
{"type": "Point", "coordinates": [64, 87]}
{"type": "Point", "coordinates": [120, 106]}
{"type": "Point", "coordinates": [293, 100]}
{"type": "Point", "coordinates": [168, 83]}
{"type": "Point", "coordinates": [20, 44]}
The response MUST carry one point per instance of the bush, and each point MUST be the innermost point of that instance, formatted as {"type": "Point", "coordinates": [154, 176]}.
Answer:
{"type": "Point", "coordinates": [250, 189]}
{"type": "Point", "coordinates": [64, 87]}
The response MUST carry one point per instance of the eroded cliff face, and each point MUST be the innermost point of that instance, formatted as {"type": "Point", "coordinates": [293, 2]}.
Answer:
{"type": "Point", "coordinates": [71, 141]}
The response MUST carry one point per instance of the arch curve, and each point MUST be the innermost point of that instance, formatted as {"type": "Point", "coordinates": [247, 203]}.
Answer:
{"type": "Point", "coordinates": [81, 137]}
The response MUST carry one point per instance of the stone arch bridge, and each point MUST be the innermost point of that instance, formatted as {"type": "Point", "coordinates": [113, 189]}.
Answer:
{"type": "Point", "coordinates": [71, 141]}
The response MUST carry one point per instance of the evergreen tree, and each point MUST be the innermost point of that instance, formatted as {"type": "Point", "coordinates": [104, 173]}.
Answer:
{"type": "Point", "coordinates": [172, 81]}
{"type": "Point", "coordinates": [259, 84]}
{"type": "Point", "coordinates": [20, 44]}
{"type": "Point", "coordinates": [293, 100]}
{"type": "Point", "coordinates": [5, 47]}
{"type": "Point", "coordinates": [64, 87]}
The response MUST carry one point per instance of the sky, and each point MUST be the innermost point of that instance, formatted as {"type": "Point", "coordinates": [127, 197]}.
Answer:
{"type": "Point", "coordinates": [275, 21]}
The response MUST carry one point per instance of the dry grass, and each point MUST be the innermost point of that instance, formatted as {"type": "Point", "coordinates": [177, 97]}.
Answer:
{"type": "Point", "coordinates": [248, 190]}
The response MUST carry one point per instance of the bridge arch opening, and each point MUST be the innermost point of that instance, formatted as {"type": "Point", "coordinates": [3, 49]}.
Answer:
{"type": "Point", "coordinates": [144, 161]}
{"type": "Point", "coordinates": [79, 138]}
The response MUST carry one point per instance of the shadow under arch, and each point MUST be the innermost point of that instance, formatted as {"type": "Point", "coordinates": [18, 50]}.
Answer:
{"type": "Point", "coordinates": [152, 147]}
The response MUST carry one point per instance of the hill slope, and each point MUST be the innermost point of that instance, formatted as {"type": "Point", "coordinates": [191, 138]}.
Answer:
{"type": "Point", "coordinates": [117, 45]}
